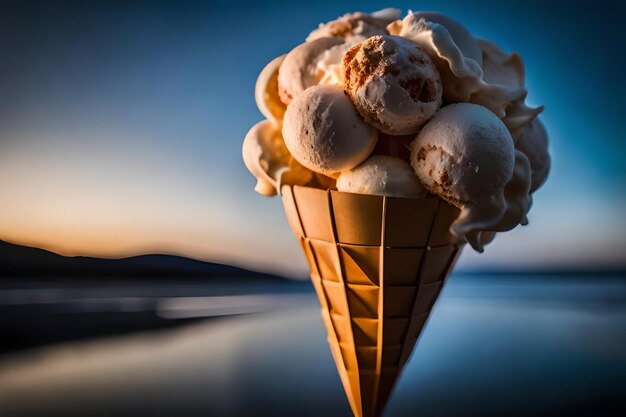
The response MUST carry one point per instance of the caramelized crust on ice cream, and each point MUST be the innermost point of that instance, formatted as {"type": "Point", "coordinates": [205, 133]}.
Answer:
{"type": "Point", "coordinates": [393, 84]}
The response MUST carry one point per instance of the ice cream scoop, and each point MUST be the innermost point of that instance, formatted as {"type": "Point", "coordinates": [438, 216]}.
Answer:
{"type": "Point", "coordinates": [462, 75]}
{"type": "Point", "coordinates": [533, 142]}
{"type": "Point", "coordinates": [393, 84]}
{"type": "Point", "coordinates": [329, 64]}
{"type": "Point", "coordinates": [266, 92]}
{"type": "Point", "coordinates": [382, 175]}
{"type": "Point", "coordinates": [465, 155]}
{"type": "Point", "coordinates": [363, 25]}
{"type": "Point", "coordinates": [324, 132]}
{"type": "Point", "coordinates": [501, 68]}
{"type": "Point", "coordinates": [518, 203]}
{"type": "Point", "coordinates": [467, 44]}
{"type": "Point", "coordinates": [517, 196]}
{"type": "Point", "coordinates": [299, 70]}
{"type": "Point", "coordinates": [501, 72]}
{"type": "Point", "coordinates": [352, 28]}
{"type": "Point", "coordinates": [267, 158]}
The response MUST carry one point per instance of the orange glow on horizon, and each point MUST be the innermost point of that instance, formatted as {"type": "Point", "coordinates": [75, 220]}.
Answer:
{"type": "Point", "coordinates": [109, 201]}
{"type": "Point", "coordinates": [237, 253]}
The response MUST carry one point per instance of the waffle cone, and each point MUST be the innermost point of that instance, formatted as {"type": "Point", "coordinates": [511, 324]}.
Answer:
{"type": "Point", "coordinates": [377, 265]}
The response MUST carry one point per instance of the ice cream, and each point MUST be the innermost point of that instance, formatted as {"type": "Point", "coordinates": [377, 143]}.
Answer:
{"type": "Point", "coordinates": [382, 175]}
{"type": "Point", "coordinates": [329, 63]}
{"type": "Point", "coordinates": [361, 25]}
{"type": "Point", "coordinates": [393, 143]}
{"type": "Point", "coordinates": [533, 142]}
{"type": "Point", "coordinates": [267, 158]}
{"type": "Point", "coordinates": [499, 67]}
{"type": "Point", "coordinates": [299, 69]}
{"type": "Point", "coordinates": [467, 44]}
{"type": "Point", "coordinates": [393, 84]}
{"type": "Point", "coordinates": [323, 131]}
{"type": "Point", "coordinates": [465, 155]}
{"type": "Point", "coordinates": [396, 75]}
{"type": "Point", "coordinates": [352, 28]}
{"type": "Point", "coordinates": [516, 195]}
{"type": "Point", "coordinates": [266, 92]}
{"type": "Point", "coordinates": [504, 77]}
{"type": "Point", "coordinates": [463, 77]}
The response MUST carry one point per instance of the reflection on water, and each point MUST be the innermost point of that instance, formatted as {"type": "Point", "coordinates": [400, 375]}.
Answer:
{"type": "Point", "coordinates": [491, 348]}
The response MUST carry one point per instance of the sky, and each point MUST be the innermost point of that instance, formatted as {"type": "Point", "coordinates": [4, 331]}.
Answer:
{"type": "Point", "coordinates": [121, 126]}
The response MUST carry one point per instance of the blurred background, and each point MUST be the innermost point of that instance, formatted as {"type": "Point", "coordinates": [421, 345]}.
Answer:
{"type": "Point", "coordinates": [121, 126]}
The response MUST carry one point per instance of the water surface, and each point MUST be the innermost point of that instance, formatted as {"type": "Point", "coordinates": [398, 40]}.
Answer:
{"type": "Point", "coordinates": [494, 346]}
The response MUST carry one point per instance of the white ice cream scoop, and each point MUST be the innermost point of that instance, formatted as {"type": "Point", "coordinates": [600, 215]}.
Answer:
{"type": "Point", "coordinates": [324, 132]}
{"type": "Point", "coordinates": [299, 70]}
{"type": "Point", "coordinates": [504, 71]}
{"type": "Point", "coordinates": [266, 92]}
{"type": "Point", "coordinates": [533, 142]}
{"type": "Point", "coordinates": [267, 158]}
{"type": "Point", "coordinates": [466, 43]}
{"type": "Point", "coordinates": [465, 154]}
{"type": "Point", "coordinates": [393, 84]}
{"type": "Point", "coordinates": [382, 175]}
{"type": "Point", "coordinates": [358, 24]}
{"type": "Point", "coordinates": [464, 78]}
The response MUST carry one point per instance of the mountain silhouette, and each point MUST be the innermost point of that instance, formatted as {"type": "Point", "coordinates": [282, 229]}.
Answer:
{"type": "Point", "coordinates": [25, 261]}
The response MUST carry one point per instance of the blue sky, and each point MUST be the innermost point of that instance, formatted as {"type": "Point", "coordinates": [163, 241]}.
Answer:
{"type": "Point", "coordinates": [121, 126]}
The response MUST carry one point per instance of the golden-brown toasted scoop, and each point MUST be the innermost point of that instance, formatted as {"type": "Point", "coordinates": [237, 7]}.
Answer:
{"type": "Point", "coordinates": [324, 132]}
{"type": "Point", "coordinates": [393, 84]}
{"type": "Point", "coordinates": [361, 25]}
{"type": "Point", "coordinates": [465, 155]}
{"type": "Point", "coordinates": [533, 142]}
{"type": "Point", "coordinates": [266, 92]}
{"type": "Point", "coordinates": [377, 265]}
{"type": "Point", "coordinates": [299, 70]}
{"type": "Point", "coordinates": [267, 158]}
{"type": "Point", "coordinates": [460, 73]}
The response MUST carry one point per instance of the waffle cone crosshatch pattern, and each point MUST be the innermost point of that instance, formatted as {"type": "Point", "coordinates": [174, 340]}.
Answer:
{"type": "Point", "coordinates": [377, 264]}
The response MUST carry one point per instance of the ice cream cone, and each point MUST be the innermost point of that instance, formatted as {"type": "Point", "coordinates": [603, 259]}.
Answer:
{"type": "Point", "coordinates": [377, 264]}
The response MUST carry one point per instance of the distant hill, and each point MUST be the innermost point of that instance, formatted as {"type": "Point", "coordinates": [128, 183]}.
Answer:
{"type": "Point", "coordinates": [24, 261]}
